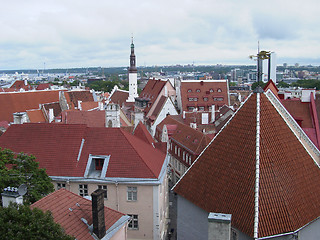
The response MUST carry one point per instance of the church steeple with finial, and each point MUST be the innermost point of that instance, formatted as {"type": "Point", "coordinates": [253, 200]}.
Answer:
{"type": "Point", "coordinates": [133, 67]}
{"type": "Point", "coordinates": [133, 86]}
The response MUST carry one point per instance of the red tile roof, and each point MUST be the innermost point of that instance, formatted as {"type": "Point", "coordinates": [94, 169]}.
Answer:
{"type": "Point", "coordinates": [59, 204]}
{"type": "Point", "coordinates": [73, 97]}
{"type": "Point", "coordinates": [55, 106]}
{"type": "Point", "coordinates": [299, 110]}
{"type": "Point", "coordinates": [36, 116]}
{"type": "Point", "coordinates": [18, 84]}
{"type": "Point", "coordinates": [56, 147]}
{"type": "Point", "coordinates": [22, 101]}
{"type": "Point", "coordinates": [44, 86]}
{"type": "Point", "coordinates": [119, 97]}
{"type": "Point", "coordinates": [152, 89]}
{"type": "Point", "coordinates": [223, 177]}
{"type": "Point", "coordinates": [90, 118]}
{"type": "Point", "coordinates": [89, 105]}
{"type": "Point", "coordinates": [141, 132]}
{"type": "Point", "coordinates": [189, 138]}
{"type": "Point", "coordinates": [159, 106]}
{"type": "Point", "coordinates": [204, 89]}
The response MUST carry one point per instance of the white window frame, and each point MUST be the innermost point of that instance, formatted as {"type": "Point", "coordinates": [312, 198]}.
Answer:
{"type": "Point", "coordinates": [134, 222]}
{"type": "Point", "coordinates": [132, 194]}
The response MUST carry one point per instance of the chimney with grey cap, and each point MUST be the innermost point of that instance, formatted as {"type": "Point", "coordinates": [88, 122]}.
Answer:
{"type": "Point", "coordinates": [219, 226]}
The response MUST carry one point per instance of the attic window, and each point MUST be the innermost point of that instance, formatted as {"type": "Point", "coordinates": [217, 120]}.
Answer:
{"type": "Point", "coordinates": [189, 90]}
{"type": "Point", "coordinates": [211, 90]}
{"type": "Point", "coordinates": [219, 90]}
{"type": "Point", "coordinates": [198, 90]}
{"type": "Point", "coordinates": [97, 166]}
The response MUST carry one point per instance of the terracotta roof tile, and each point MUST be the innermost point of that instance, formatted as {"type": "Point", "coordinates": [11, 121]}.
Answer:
{"type": "Point", "coordinates": [89, 105]}
{"type": "Point", "coordinates": [56, 147]}
{"type": "Point", "coordinates": [222, 179]}
{"type": "Point", "coordinates": [90, 118]}
{"type": "Point", "coordinates": [36, 116]}
{"type": "Point", "coordinates": [73, 97]}
{"type": "Point", "coordinates": [299, 110]}
{"type": "Point", "coordinates": [119, 97]}
{"type": "Point", "coordinates": [59, 204]}
{"type": "Point", "coordinates": [141, 132]}
{"type": "Point", "coordinates": [22, 101]}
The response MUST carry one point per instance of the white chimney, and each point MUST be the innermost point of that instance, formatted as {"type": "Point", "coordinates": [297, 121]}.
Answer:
{"type": "Point", "coordinates": [184, 114]}
{"type": "Point", "coordinates": [51, 115]}
{"type": "Point", "coordinates": [100, 104]}
{"type": "Point", "coordinates": [213, 113]}
{"type": "Point", "coordinates": [79, 105]}
{"type": "Point", "coordinates": [25, 82]}
{"type": "Point", "coordinates": [165, 91]}
{"type": "Point", "coordinates": [19, 117]}
{"type": "Point", "coordinates": [10, 194]}
{"type": "Point", "coordinates": [219, 226]}
{"type": "Point", "coordinates": [205, 118]}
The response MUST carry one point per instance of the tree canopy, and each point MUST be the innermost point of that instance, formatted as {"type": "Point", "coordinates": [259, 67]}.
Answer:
{"type": "Point", "coordinates": [24, 223]}
{"type": "Point", "coordinates": [16, 169]}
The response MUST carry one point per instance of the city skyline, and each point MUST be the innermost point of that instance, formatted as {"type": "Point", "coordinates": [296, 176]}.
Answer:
{"type": "Point", "coordinates": [59, 34]}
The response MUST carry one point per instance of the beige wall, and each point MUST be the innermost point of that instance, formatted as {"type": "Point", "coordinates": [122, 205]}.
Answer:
{"type": "Point", "coordinates": [143, 207]}
{"type": "Point", "coordinates": [121, 234]}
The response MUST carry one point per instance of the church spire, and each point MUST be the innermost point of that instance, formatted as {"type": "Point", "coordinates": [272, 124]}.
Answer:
{"type": "Point", "coordinates": [132, 68]}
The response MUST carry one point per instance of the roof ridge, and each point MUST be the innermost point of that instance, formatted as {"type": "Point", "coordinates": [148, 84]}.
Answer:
{"type": "Point", "coordinates": [125, 134]}
{"type": "Point", "coordinates": [257, 179]}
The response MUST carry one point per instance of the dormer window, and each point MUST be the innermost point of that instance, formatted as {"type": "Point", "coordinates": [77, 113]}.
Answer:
{"type": "Point", "coordinates": [211, 90]}
{"type": "Point", "coordinates": [219, 90]}
{"type": "Point", "coordinates": [97, 166]}
{"type": "Point", "coordinates": [198, 90]}
{"type": "Point", "coordinates": [189, 90]}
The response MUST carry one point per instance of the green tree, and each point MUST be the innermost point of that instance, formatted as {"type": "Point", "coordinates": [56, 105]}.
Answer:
{"type": "Point", "coordinates": [16, 169]}
{"type": "Point", "coordinates": [283, 84]}
{"type": "Point", "coordinates": [24, 223]}
{"type": "Point", "coordinates": [255, 85]}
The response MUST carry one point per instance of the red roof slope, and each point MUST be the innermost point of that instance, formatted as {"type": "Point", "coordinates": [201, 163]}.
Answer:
{"type": "Point", "coordinates": [56, 147]}
{"type": "Point", "coordinates": [142, 132]}
{"type": "Point", "coordinates": [151, 91]}
{"type": "Point", "coordinates": [91, 119]}
{"type": "Point", "coordinates": [59, 204]}
{"type": "Point", "coordinates": [300, 111]}
{"type": "Point", "coordinates": [36, 116]}
{"type": "Point", "coordinates": [119, 97]}
{"type": "Point", "coordinates": [22, 101]}
{"type": "Point", "coordinates": [73, 97]}
{"type": "Point", "coordinates": [223, 177]}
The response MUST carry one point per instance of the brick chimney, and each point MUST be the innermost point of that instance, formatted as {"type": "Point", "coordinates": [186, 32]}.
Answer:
{"type": "Point", "coordinates": [99, 226]}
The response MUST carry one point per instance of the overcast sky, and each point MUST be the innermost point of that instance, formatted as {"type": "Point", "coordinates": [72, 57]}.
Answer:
{"type": "Point", "coordinates": [78, 33]}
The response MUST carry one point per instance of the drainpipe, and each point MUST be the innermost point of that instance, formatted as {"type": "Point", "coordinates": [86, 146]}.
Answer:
{"type": "Point", "coordinates": [117, 193]}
